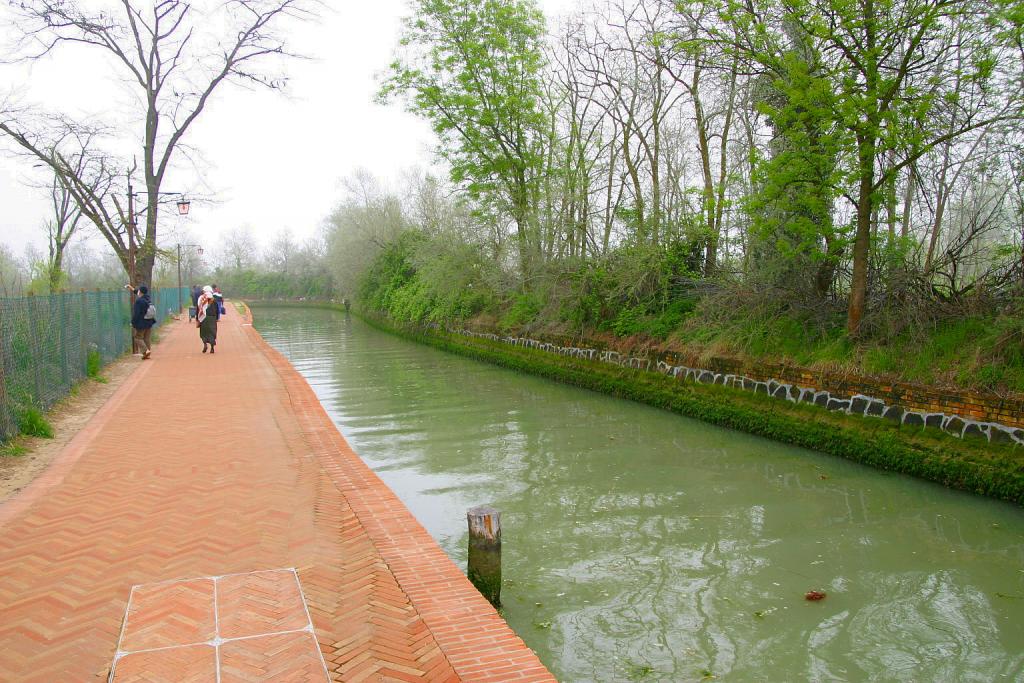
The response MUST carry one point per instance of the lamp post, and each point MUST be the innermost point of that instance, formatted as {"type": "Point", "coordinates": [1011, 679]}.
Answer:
{"type": "Point", "coordinates": [198, 247]}
{"type": "Point", "coordinates": [183, 206]}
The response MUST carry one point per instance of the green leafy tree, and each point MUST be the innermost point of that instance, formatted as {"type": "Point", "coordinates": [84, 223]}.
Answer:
{"type": "Point", "coordinates": [791, 208]}
{"type": "Point", "coordinates": [879, 57]}
{"type": "Point", "coordinates": [473, 70]}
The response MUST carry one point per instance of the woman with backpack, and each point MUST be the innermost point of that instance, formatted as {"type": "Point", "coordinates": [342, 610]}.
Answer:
{"type": "Point", "coordinates": [143, 319]}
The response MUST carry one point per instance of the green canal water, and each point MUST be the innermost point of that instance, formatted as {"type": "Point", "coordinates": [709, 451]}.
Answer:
{"type": "Point", "coordinates": [639, 545]}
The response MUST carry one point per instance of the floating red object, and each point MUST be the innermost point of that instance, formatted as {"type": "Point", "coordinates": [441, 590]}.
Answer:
{"type": "Point", "coordinates": [814, 595]}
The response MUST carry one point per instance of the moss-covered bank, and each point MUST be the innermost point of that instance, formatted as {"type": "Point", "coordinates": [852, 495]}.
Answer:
{"type": "Point", "coordinates": [992, 470]}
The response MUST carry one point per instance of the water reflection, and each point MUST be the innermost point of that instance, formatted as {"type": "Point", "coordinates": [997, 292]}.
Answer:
{"type": "Point", "coordinates": [641, 545]}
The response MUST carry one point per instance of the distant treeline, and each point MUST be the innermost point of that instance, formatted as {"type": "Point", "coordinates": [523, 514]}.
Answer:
{"type": "Point", "coordinates": [272, 285]}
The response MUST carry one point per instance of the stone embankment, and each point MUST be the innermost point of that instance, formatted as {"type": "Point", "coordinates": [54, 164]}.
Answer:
{"type": "Point", "coordinates": [961, 414]}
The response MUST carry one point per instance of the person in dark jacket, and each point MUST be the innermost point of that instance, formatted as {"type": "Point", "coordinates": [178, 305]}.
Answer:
{"type": "Point", "coordinates": [219, 298]}
{"type": "Point", "coordinates": [141, 323]}
{"type": "Point", "coordinates": [196, 292]}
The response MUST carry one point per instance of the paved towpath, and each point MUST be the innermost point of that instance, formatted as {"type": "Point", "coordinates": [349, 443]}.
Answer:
{"type": "Point", "coordinates": [216, 494]}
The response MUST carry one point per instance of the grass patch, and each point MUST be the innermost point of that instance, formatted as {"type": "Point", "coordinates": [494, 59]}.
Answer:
{"type": "Point", "coordinates": [972, 353]}
{"type": "Point", "coordinates": [93, 364]}
{"type": "Point", "coordinates": [993, 470]}
{"type": "Point", "coordinates": [12, 449]}
{"type": "Point", "coordinates": [32, 422]}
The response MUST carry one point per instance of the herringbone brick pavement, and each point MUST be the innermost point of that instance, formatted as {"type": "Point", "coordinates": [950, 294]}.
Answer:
{"type": "Point", "coordinates": [207, 465]}
{"type": "Point", "coordinates": [168, 614]}
{"type": "Point", "coordinates": [257, 624]}
{"type": "Point", "coordinates": [195, 664]}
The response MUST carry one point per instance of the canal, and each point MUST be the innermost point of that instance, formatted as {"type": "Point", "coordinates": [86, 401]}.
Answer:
{"type": "Point", "coordinates": [639, 545]}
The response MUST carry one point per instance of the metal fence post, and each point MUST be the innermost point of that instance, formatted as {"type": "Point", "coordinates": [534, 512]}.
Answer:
{"type": "Point", "coordinates": [83, 347]}
{"type": "Point", "coordinates": [36, 343]}
{"type": "Point", "coordinates": [65, 370]}
{"type": "Point", "coordinates": [99, 325]}
{"type": "Point", "coordinates": [7, 428]}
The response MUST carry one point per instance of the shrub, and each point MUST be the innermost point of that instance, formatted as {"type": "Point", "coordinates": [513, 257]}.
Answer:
{"type": "Point", "coordinates": [525, 308]}
{"type": "Point", "coordinates": [669, 320]}
{"type": "Point", "coordinates": [627, 322]}
{"type": "Point", "coordinates": [32, 422]}
{"type": "Point", "coordinates": [12, 450]}
{"type": "Point", "coordinates": [93, 364]}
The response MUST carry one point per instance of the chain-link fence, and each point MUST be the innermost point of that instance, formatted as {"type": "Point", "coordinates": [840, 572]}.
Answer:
{"type": "Point", "coordinates": [47, 342]}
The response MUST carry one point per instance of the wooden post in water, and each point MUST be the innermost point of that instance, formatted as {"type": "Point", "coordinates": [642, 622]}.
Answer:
{"type": "Point", "coordinates": [484, 569]}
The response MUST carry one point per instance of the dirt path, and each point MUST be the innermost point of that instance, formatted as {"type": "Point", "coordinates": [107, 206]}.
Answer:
{"type": "Point", "coordinates": [67, 418]}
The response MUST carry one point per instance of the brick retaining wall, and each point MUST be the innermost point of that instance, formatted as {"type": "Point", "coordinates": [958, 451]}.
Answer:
{"type": "Point", "coordinates": [961, 413]}
{"type": "Point", "coordinates": [1006, 410]}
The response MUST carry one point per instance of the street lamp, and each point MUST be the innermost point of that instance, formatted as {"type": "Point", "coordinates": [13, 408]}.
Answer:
{"type": "Point", "coordinates": [183, 207]}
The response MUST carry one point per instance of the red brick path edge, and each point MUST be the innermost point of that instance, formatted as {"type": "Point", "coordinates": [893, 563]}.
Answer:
{"type": "Point", "coordinates": [206, 465]}
{"type": "Point", "coordinates": [474, 638]}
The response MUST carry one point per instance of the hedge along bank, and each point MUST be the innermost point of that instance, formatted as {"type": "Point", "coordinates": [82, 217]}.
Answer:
{"type": "Point", "coordinates": [993, 470]}
{"type": "Point", "coordinates": [963, 414]}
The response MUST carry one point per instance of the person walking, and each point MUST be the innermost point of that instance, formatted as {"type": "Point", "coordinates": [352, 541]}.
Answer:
{"type": "Point", "coordinates": [207, 315]}
{"type": "Point", "coordinates": [196, 292]}
{"type": "Point", "coordinates": [143, 319]}
{"type": "Point", "coordinates": [220, 300]}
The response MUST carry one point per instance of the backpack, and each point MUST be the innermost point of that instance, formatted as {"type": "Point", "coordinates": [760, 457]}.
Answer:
{"type": "Point", "coordinates": [150, 313]}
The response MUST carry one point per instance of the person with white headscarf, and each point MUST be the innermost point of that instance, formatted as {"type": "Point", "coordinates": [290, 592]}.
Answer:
{"type": "Point", "coordinates": [207, 315]}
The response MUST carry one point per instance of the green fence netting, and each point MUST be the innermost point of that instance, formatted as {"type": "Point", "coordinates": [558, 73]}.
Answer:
{"type": "Point", "coordinates": [47, 340]}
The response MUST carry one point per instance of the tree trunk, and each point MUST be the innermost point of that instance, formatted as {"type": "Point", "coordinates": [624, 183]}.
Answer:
{"type": "Point", "coordinates": [723, 168]}
{"type": "Point", "coordinates": [638, 191]}
{"type": "Point", "coordinates": [56, 265]}
{"type": "Point", "coordinates": [656, 176]}
{"type": "Point", "coordinates": [520, 214]}
{"type": "Point", "coordinates": [890, 200]}
{"type": "Point", "coordinates": [908, 198]}
{"type": "Point", "coordinates": [704, 147]}
{"type": "Point", "coordinates": [862, 241]}
{"type": "Point", "coordinates": [609, 208]}
{"type": "Point", "coordinates": [940, 210]}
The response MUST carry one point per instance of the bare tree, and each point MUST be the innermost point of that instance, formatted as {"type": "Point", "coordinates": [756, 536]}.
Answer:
{"type": "Point", "coordinates": [12, 277]}
{"type": "Point", "coordinates": [59, 230]}
{"type": "Point", "coordinates": [280, 255]}
{"type": "Point", "coordinates": [701, 68]}
{"type": "Point", "coordinates": [83, 173]}
{"type": "Point", "coordinates": [241, 247]}
{"type": "Point", "coordinates": [173, 66]}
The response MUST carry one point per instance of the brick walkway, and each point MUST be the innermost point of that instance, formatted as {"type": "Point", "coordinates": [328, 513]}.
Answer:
{"type": "Point", "coordinates": [216, 476]}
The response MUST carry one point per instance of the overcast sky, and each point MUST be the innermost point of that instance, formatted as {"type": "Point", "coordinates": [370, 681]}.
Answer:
{"type": "Point", "coordinates": [272, 161]}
